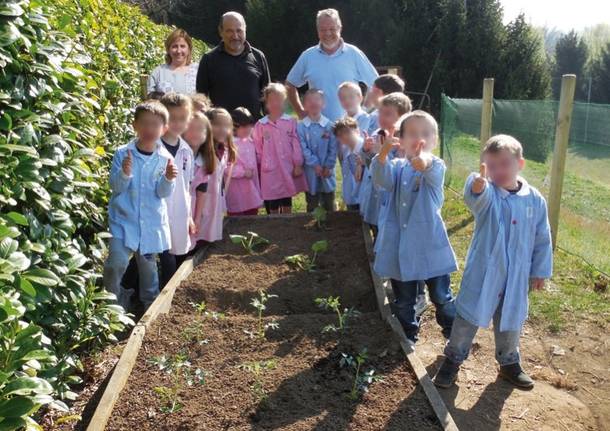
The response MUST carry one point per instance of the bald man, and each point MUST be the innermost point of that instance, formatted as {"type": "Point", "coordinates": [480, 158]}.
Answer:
{"type": "Point", "coordinates": [233, 74]}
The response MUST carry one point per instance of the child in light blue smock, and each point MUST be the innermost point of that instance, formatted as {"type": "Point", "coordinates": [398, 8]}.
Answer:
{"type": "Point", "coordinates": [413, 244]}
{"type": "Point", "coordinates": [510, 251]}
{"type": "Point", "coordinates": [349, 140]}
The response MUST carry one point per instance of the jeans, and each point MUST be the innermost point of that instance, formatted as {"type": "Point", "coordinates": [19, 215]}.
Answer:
{"type": "Point", "coordinates": [460, 342]}
{"type": "Point", "coordinates": [405, 294]}
{"type": "Point", "coordinates": [116, 264]}
{"type": "Point", "coordinates": [326, 200]}
{"type": "Point", "coordinates": [354, 207]}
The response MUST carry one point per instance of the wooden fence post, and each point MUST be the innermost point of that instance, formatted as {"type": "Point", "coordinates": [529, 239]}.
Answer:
{"type": "Point", "coordinates": [143, 86]}
{"type": "Point", "coordinates": [486, 110]}
{"type": "Point", "coordinates": [562, 136]}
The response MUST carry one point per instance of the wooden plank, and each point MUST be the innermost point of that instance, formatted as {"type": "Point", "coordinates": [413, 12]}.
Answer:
{"type": "Point", "coordinates": [437, 403]}
{"type": "Point", "coordinates": [486, 110]}
{"type": "Point", "coordinates": [118, 380]}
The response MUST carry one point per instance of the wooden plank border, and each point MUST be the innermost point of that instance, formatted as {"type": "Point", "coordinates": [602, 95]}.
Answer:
{"type": "Point", "coordinates": [437, 403]}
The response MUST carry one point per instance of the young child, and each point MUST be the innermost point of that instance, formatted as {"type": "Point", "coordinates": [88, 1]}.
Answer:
{"type": "Point", "coordinates": [383, 85]}
{"type": "Point", "coordinates": [350, 141]}
{"type": "Point", "coordinates": [142, 176]}
{"type": "Point", "coordinates": [179, 212]}
{"type": "Point", "coordinates": [198, 131]}
{"type": "Point", "coordinates": [243, 192]}
{"type": "Point", "coordinates": [278, 153]}
{"type": "Point", "coordinates": [392, 107]}
{"type": "Point", "coordinates": [350, 96]}
{"type": "Point", "coordinates": [413, 241]}
{"type": "Point", "coordinates": [319, 151]}
{"type": "Point", "coordinates": [208, 187]}
{"type": "Point", "coordinates": [510, 250]}
{"type": "Point", "coordinates": [201, 102]}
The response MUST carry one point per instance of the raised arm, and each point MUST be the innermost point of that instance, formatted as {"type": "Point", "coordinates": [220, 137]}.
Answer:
{"type": "Point", "coordinates": [477, 193]}
{"type": "Point", "coordinates": [120, 172]}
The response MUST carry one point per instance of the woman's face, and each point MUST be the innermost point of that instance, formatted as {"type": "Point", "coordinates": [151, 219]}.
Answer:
{"type": "Point", "coordinates": [179, 51]}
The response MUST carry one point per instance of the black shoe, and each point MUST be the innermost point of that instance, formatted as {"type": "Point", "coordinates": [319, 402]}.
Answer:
{"type": "Point", "coordinates": [514, 374]}
{"type": "Point", "coordinates": [446, 374]}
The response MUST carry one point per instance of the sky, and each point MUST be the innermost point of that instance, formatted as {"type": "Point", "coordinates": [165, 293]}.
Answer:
{"type": "Point", "coordinates": [562, 14]}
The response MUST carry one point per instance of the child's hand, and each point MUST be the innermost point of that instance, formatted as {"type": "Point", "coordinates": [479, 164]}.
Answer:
{"type": "Point", "coordinates": [359, 160]}
{"type": "Point", "coordinates": [369, 141]}
{"type": "Point", "coordinates": [389, 143]}
{"type": "Point", "coordinates": [192, 227]}
{"type": "Point", "coordinates": [420, 162]}
{"type": "Point", "coordinates": [537, 283]}
{"type": "Point", "coordinates": [248, 173]}
{"type": "Point", "coordinates": [318, 170]}
{"type": "Point", "coordinates": [127, 163]}
{"type": "Point", "coordinates": [358, 174]}
{"type": "Point", "coordinates": [297, 171]}
{"type": "Point", "coordinates": [326, 172]}
{"type": "Point", "coordinates": [171, 171]}
{"type": "Point", "coordinates": [480, 182]}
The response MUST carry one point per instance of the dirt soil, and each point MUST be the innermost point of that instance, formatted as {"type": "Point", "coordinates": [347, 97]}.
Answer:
{"type": "Point", "coordinates": [307, 389]}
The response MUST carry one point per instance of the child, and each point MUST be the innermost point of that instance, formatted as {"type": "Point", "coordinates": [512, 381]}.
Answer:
{"type": "Point", "coordinates": [179, 211]}
{"type": "Point", "coordinates": [350, 141]}
{"type": "Point", "coordinates": [278, 153]}
{"type": "Point", "coordinates": [511, 245]}
{"type": "Point", "coordinates": [383, 85]}
{"type": "Point", "coordinates": [413, 242]}
{"type": "Point", "coordinates": [198, 131]}
{"type": "Point", "coordinates": [142, 176]}
{"type": "Point", "coordinates": [392, 107]}
{"type": "Point", "coordinates": [350, 96]}
{"type": "Point", "coordinates": [319, 151]}
{"type": "Point", "coordinates": [243, 192]}
{"type": "Point", "coordinates": [207, 188]}
{"type": "Point", "coordinates": [201, 102]}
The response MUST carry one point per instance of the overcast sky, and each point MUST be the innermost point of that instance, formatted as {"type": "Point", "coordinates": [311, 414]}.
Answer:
{"type": "Point", "coordinates": [563, 14]}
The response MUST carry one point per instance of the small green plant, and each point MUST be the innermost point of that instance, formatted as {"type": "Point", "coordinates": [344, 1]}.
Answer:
{"type": "Point", "coordinates": [201, 309]}
{"type": "Point", "coordinates": [362, 379]}
{"type": "Point", "coordinates": [250, 241]}
{"type": "Point", "coordinates": [260, 304]}
{"type": "Point", "coordinates": [180, 371]}
{"type": "Point", "coordinates": [333, 303]}
{"type": "Point", "coordinates": [320, 215]}
{"type": "Point", "coordinates": [258, 369]}
{"type": "Point", "coordinates": [305, 262]}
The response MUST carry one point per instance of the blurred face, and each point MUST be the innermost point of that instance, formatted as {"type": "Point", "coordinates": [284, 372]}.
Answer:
{"type": "Point", "coordinates": [503, 168]}
{"type": "Point", "coordinates": [374, 95]}
{"type": "Point", "coordinates": [233, 34]}
{"type": "Point", "coordinates": [348, 138]}
{"type": "Point", "coordinates": [244, 132]}
{"type": "Point", "coordinates": [195, 134]}
{"type": "Point", "coordinates": [313, 104]}
{"type": "Point", "coordinates": [414, 131]}
{"type": "Point", "coordinates": [350, 100]}
{"type": "Point", "coordinates": [179, 118]}
{"type": "Point", "coordinates": [179, 52]}
{"type": "Point", "coordinates": [275, 104]}
{"type": "Point", "coordinates": [222, 127]}
{"type": "Point", "coordinates": [149, 127]}
{"type": "Point", "coordinates": [329, 33]}
{"type": "Point", "coordinates": [388, 116]}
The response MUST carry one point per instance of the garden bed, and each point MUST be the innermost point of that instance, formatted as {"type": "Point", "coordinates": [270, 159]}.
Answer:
{"type": "Point", "coordinates": [292, 378]}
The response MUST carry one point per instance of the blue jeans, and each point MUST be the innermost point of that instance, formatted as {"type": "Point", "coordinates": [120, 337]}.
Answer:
{"type": "Point", "coordinates": [405, 298]}
{"type": "Point", "coordinates": [116, 264]}
{"type": "Point", "coordinates": [460, 342]}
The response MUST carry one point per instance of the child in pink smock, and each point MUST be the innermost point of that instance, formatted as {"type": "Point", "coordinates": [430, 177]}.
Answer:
{"type": "Point", "coordinates": [207, 188]}
{"type": "Point", "coordinates": [279, 153]}
{"type": "Point", "coordinates": [243, 191]}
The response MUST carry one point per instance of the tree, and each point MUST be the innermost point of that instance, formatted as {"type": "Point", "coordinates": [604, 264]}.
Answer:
{"type": "Point", "coordinates": [600, 74]}
{"type": "Point", "coordinates": [570, 57]}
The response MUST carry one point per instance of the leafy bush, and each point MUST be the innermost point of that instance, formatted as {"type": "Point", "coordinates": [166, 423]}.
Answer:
{"type": "Point", "coordinates": [69, 76]}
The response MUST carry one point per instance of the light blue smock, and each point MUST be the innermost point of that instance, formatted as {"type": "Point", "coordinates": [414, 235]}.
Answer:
{"type": "Point", "coordinates": [319, 149]}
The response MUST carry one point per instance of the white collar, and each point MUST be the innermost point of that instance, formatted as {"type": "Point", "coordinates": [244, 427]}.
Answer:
{"type": "Point", "coordinates": [323, 121]}
{"type": "Point", "coordinates": [523, 191]}
{"type": "Point", "coordinates": [266, 120]}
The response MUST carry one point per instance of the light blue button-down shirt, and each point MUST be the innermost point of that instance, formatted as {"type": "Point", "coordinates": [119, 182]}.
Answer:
{"type": "Point", "coordinates": [137, 209]}
{"type": "Point", "coordinates": [319, 148]}
{"type": "Point", "coordinates": [373, 121]}
{"type": "Point", "coordinates": [350, 188]}
{"type": "Point", "coordinates": [510, 245]}
{"type": "Point", "coordinates": [326, 72]}
{"type": "Point", "coordinates": [413, 241]}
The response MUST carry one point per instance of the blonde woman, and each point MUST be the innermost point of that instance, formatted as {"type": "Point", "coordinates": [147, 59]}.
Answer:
{"type": "Point", "coordinates": [179, 73]}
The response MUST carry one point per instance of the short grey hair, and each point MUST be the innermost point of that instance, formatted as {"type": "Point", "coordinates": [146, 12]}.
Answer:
{"type": "Point", "coordinates": [328, 13]}
{"type": "Point", "coordinates": [231, 14]}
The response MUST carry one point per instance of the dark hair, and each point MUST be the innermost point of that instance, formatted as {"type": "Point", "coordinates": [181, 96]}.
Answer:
{"type": "Point", "coordinates": [389, 83]}
{"type": "Point", "coordinates": [175, 100]}
{"type": "Point", "coordinates": [345, 123]}
{"type": "Point", "coordinates": [155, 95]}
{"type": "Point", "coordinates": [242, 117]}
{"type": "Point", "coordinates": [154, 107]}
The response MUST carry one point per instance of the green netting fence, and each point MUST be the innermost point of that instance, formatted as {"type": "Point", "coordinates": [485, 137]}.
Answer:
{"type": "Point", "coordinates": [584, 227]}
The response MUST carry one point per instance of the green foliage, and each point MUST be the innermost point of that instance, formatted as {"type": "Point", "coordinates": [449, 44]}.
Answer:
{"type": "Point", "coordinates": [320, 216]}
{"type": "Point", "coordinates": [362, 379]}
{"type": "Point", "coordinates": [250, 241]}
{"type": "Point", "coordinates": [305, 262]}
{"type": "Point", "coordinates": [258, 369]}
{"type": "Point", "coordinates": [600, 71]}
{"type": "Point", "coordinates": [570, 57]}
{"type": "Point", "coordinates": [181, 373]}
{"type": "Point", "coordinates": [260, 304]}
{"type": "Point", "coordinates": [333, 303]}
{"type": "Point", "coordinates": [69, 77]}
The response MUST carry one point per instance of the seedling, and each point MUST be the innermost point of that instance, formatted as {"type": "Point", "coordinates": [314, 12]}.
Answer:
{"type": "Point", "coordinates": [260, 304]}
{"type": "Point", "coordinates": [201, 309]}
{"type": "Point", "coordinates": [305, 262]}
{"type": "Point", "coordinates": [258, 369]}
{"type": "Point", "coordinates": [362, 380]}
{"type": "Point", "coordinates": [179, 370]}
{"type": "Point", "coordinates": [319, 214]}
{"type": "Point", "coordinates": [250, 241]}
{"type": "Point", "coordinates": [332, 303]}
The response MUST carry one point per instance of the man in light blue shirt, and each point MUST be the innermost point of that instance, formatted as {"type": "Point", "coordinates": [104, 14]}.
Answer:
{"type": "Point", "coordinates": [326, 65]}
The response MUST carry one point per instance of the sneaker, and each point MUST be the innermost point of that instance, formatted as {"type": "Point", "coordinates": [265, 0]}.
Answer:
{"type": "Point", "coordinates": [446, 374]}
{"type": "Point", "coordinates": [514, 374]}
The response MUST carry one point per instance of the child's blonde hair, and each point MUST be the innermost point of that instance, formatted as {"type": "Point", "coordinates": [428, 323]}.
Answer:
{"type": "Point", "coordinates": [206, 149]}
{"type": "Point", "coordinates": [422, 115]}
{"type": "Point", "coordinates": [216, 113]}
{"type": "Point", "coordinates": [177, 100]}
{"type": "Point", "coordinates": [153, 107]}
{"type": "Point", "coordinates": [274, 88]}
{"type": "Point", "coordinates": [498, 143]}
{"type": "Point", "coordinates": [400, 101]}
{"type": "Point", "coordinates": [343, 124]}
{"type": "Point", "coordinates": [201, 102]}
{"type": "Point", "coordinates": [351, 86]}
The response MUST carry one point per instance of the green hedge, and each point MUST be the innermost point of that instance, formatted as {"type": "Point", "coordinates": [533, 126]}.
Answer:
{"type": "Point", "coordinates": [69, 78]}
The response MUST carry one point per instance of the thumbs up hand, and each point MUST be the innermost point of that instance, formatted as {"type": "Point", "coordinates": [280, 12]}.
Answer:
{"type": "Point", "coordinates": [171, 171]}
{"type": "Point", "coordinates": [127, 163]}
{"type": "Point", "coordinates": [480, 182]}
{"type": "Point", "coordinates": [420, 162]}
{"type": "Point", "coordinates": [369, 141]}
{"type": "Point", "coordinates": [389, 143]}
